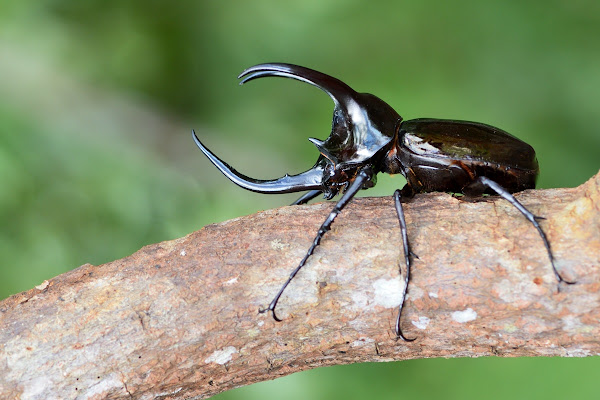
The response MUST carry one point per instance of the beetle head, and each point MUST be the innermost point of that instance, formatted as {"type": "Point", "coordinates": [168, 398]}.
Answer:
{"type": "Point", "coordinates": [362, 126]}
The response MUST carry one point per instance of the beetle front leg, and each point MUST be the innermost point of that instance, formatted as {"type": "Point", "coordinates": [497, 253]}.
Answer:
{"type": "Point", "coordinates": [308, 196]}
{"type": "Point", "coordinates": [407, 254]}
{"type": "Point", "coordinates": [365, 175]}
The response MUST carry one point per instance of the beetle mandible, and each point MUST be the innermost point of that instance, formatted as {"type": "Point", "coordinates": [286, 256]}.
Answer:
{"type": "Point", "coordinates": [368, 137]}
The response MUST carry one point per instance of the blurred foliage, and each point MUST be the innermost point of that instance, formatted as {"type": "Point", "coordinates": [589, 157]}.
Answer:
{"type": "Point", "coordinates": [97, 99]}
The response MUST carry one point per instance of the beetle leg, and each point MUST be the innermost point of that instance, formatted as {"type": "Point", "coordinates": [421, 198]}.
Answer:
{"type": "Point", "coordinates": [363, 176]}
{"type": "Point", "coordinates": [407, 254]}
{"type": "Point", "coordinates": [532, 218]}
{"type": "Point", "coordinates": [306, 197]}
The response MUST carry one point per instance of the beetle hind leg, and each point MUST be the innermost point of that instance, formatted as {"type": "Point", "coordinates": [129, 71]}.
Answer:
{"type": "Point", "coordinates": [488, 183]}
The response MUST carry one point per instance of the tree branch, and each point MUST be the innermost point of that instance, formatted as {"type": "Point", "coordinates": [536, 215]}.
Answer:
{"type": "Point", "coordinates": [179, 319]}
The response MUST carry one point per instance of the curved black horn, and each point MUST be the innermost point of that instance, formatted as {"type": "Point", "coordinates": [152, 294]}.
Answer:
{"type": "Point", "coordinates": [336, 89]}
{"type": "Point", "coordinates": [309, 180]}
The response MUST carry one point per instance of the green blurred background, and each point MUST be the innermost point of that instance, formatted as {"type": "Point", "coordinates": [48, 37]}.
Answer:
{"type": "Point", "coordinates": [97, 99]}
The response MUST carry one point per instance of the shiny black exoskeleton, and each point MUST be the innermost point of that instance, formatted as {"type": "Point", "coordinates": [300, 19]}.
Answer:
{"type": "Point", "coordinates": [368, 137]}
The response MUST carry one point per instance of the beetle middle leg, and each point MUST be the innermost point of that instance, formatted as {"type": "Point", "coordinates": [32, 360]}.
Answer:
{"type": "Point", "coordinates": [488, 183]}
{"type": "Point", "coordinates": [407, 254]}
{"type": "Point", "coordinates": [363, 177]}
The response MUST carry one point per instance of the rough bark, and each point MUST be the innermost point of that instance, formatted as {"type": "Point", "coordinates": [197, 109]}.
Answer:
{"type": "Point", "coordinates": [179, 319]}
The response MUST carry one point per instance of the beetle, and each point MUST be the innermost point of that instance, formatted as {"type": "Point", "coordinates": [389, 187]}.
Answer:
{"type": "Point", "coordinates": [368, 137]}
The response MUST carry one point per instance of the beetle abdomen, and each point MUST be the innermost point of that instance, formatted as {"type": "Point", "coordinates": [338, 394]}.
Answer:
{"type": "Point", "coordinates": [447, 155]}
{"type": "Point", "coordinates": [464, 140]}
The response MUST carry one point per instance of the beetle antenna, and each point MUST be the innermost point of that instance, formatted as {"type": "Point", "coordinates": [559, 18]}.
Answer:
{"type": "Point", "coordinates": [365, 175]}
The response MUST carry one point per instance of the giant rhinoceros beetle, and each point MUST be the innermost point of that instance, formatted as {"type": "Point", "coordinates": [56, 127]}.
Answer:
{"type": "Point", "coordinates": [368, 137]}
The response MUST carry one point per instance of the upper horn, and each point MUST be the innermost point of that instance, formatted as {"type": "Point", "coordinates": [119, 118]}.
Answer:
{"type": "Point", "coordinates": [362, 123]}
{"type": "Point", "coordinates": [336, 89]}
